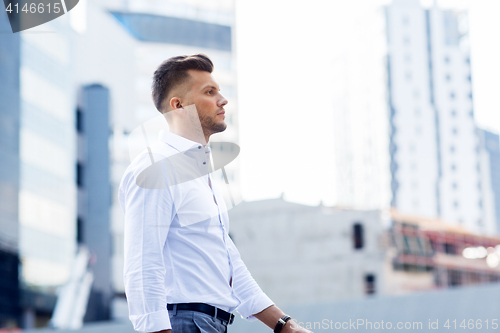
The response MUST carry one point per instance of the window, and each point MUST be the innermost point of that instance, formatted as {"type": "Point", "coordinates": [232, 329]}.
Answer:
{"type": "Point", "coordinates": [454, 185]}
{"type": "Point", "coordinates": [452, 149]}
{"type": "Point", "coordinates": [448, 77]}
{"type": "Point", "coordinates": [79, 230]}
{"type": "Point", "coordinates": [370, 284]}
{"type": "Point", "coordinates": [79, 120]}
{"type": "Point", "coordinates": [467, 60]}
{"type": "Point", "coordinates": [407, 58]}
{"type": "Point", "coordinates": [470, 95]}
{"type": "Point", "coordinates": [447, 59]}
{"type": "Point", "coordinates": [480, 203]}
{"type": "Point", "coordinates": [453, 167]}
{"type": "Point", "coordinates": [452, 95]}
{"type": "Point", "coordinates": [79, 174]}
{"type": "Point", "coordinates": [406, 20]}
{"type": "Point", "coordinates": [358, 236]}
{"type": "Point", "coordinates": [417, 112]}
{"type": "Point", "coordinates": [454, 278]}
{"type": "Point", "coordinates": [454, 131]}
{"type": "Point", "coordinates": [455, 204]}
{"type": "Point", "coordinates": [406, 40]}
{"type": "Point", "coordinates": [471, 113]}
{"type": "Point", "coordinates": [469, 78]}
{"type": "Point", "coordinates": [453, 113]}
{"type": "Point", "coordinates": [449, 248]}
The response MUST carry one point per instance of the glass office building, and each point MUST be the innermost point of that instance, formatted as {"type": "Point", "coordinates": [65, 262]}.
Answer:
{"type": "Point", "coordinates": [55, 190]}
{"type": "Point", "coordinates": [47, 191]}
{"type": "Point", "coordinates": [434, 146]}
{"type": "Point", "coordinates": [38, 192]}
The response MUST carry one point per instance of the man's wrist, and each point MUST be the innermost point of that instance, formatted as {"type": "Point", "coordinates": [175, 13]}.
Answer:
{"type": "Point", "coordinates": [280, 325]}
{"type": "Point", "coordinates": [290, 326]}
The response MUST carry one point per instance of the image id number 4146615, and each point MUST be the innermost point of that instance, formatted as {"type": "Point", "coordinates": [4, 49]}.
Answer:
{"type": "Point", "coordinates": [471, 324]}
{"type": "Point", "coordinates": [35, 8]}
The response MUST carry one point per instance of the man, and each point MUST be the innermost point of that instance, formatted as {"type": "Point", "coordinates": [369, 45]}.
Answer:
{"type": "Point", "coordinates": [182, 271]}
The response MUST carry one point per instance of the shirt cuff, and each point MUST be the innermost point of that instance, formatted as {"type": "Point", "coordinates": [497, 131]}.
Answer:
{"type": "Point", "coordinates": [151, 322]}
{"type": "Point", "coordinates": [254, 305]}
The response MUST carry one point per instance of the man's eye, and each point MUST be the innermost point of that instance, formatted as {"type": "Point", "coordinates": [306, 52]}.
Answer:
{"type": "Point", "coordinates": [210, 91]}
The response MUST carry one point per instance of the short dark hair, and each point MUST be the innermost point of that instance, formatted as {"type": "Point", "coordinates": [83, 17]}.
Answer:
{"type": "Point", "coordinates": [173, 72]}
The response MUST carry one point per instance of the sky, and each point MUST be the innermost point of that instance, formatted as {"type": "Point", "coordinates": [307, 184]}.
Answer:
{"type": "Point", "coordinates": [285, 51]}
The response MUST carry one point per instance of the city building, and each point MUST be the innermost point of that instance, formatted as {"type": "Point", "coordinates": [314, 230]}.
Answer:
{"type": "Point", "coordinates": [39, 193]}
{"type": "Point", "coordinates": [105, 80]}
{"type": "Point", "coordinates": [329, 254]}
{"type": "Point", "coordinates": [10, 311]}
{"type": "Point", "coordinates": [63, 93]}
{"type": "Point", "coordinates": [358, 174]}
{"type": "Point", "coordinates": [424, 254]}
{"type": "Point", "coordinates": [324, 254]}
{"type": "Point", "coordinates": [434, 145]}
{"type": "Point", "coordinates": [490, 171]}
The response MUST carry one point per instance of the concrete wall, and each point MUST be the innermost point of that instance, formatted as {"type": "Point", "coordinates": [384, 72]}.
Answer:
{"type": "Point", "coordinates": [303, 254]}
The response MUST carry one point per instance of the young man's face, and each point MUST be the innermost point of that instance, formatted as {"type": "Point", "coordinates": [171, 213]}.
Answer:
{"type": "Point", "coordinates": [204, 93]}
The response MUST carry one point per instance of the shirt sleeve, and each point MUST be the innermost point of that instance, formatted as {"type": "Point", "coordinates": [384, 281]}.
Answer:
{"type": "Point", "coordinates": [252, 299]}
{"type": "Point", "coordinates": [148, 209]}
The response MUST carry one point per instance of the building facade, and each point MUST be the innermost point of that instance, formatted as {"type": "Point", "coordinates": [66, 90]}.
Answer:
{"type": "Point", "coordinates": [324, 254]}
{"type": "Point", "coordinates": [434, 145]}
{"type": "Point", "coordinates": [65, 84]}
{"type": "Point", "coordinates": [424, 254]}
{"type": "Point", "coordinates": [490, 169]}
{"type": "Point", "coordinates": [40, 192]}
{"type": "Point", "coordinates": [327, 254]}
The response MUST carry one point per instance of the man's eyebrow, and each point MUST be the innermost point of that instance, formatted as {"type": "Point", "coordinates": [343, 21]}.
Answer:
{"type": "Point", "coordinates": [210, 86]}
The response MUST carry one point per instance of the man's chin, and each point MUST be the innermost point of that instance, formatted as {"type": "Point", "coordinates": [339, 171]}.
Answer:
{"type": "Point", "coordinates": [220, 127]}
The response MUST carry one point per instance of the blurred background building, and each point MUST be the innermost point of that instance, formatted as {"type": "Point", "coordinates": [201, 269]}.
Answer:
{"type": "Point", "coordinates": [331, 254]}
{"type": "Point", "coordinates": [39, 196]}
{"type": "Point", "coordinates": [435, 145]}
{"type": "Point", "coordinates": [61, 143]}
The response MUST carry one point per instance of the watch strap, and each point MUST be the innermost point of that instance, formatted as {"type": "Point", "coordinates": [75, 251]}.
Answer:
{"type": "Point", "coordinates": [281, 323]}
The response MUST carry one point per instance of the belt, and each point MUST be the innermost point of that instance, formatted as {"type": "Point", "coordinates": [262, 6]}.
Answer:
{"type": "Point", "coordinates": [204, 308]}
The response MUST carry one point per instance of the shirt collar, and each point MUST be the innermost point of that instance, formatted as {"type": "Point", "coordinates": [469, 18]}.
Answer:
{"type": "Point", "coordinates": [178, 142]}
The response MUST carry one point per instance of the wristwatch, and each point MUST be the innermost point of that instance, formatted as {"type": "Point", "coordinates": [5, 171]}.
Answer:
{"type": "Point", "coordinates": [281, 323]}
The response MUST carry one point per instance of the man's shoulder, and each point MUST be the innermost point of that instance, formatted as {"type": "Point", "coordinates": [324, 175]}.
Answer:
{"type": "Point", "coordinates": [147, 164]}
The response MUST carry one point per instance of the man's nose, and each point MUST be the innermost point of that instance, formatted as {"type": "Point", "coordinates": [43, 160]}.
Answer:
{"type": "Point", "coordinates": [222, 102]}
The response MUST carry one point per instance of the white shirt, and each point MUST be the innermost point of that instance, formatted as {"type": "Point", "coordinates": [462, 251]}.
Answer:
{"type": "Point", "coordinates": [177, 248]}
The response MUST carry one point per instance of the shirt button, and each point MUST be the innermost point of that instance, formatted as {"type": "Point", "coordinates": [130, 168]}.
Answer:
{"type": "Point", "coordinates": [199, 147]}
{"type": "Point", "coordinates": [204, 162]}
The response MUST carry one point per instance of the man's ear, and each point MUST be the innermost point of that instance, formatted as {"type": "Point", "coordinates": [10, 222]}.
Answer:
{"type": "Point", "coordinates": [175, 103]}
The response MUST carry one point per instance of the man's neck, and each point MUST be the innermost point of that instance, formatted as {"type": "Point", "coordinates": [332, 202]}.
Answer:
{"type": "Point", "coordinates": [195, 136]}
